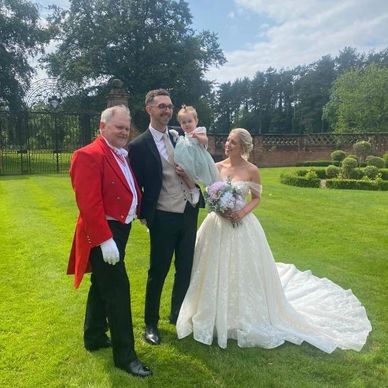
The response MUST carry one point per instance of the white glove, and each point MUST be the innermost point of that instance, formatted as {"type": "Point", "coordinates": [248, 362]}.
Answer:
{"type": "Point", "coordinates": [110, 253]}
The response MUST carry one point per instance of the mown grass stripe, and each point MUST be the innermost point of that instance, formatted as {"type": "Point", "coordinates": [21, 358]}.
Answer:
{"type": "Point", "coordinates": [339, 234]}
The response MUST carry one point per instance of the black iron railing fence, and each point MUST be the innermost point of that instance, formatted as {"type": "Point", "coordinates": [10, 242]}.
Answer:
{"type": "Point", "coordinates": [42, 142]}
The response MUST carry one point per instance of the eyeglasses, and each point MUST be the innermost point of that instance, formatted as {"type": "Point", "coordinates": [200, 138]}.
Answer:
{"type": "Point", "coordinates": [165, 106]}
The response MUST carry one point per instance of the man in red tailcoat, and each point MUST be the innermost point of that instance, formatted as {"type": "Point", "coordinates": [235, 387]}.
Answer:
{"type": "Point", "coordinates": [108, 199]}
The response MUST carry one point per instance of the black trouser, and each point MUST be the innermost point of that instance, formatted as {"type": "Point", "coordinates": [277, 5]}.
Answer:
{"type": "Point", "coordinates": [109, 299]}
{"type": "Point", "coordinates": [169, 233]}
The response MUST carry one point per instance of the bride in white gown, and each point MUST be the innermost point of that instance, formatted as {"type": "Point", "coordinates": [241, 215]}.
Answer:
{"type": "Point", "coordinates": [237, 291]}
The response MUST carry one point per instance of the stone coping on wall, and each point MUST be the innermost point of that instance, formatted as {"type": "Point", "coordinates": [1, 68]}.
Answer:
{"type": "Point", "coordinates": [287, 150]}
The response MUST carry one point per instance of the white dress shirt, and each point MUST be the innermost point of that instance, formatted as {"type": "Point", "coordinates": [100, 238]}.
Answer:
{"type": "Point", "coordinates": [159, 142]}
{"type": "Point", "coordinates": [161, 146]}
{"type": "Point", "coordinates": [123, 164]}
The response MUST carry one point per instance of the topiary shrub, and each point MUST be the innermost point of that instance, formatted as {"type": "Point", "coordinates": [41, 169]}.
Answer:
{"type": "Point", "coordinates": [348, 165]}
{"type": "Point", "coordinates": [353, 156]}
{"type": "Point", "coordinates": [372, 160]}
{"type": "Point", "coordinates": [338, 155]}
{"type": "Point", "coordinates": [320, 172]}
{"type": "Point", "coordinates": [311, 174]}
{"type": "Point", "coordinates": [385, 157]}
{"type": "Point", "coordinates": [362, 149]}
{"type": "Point", "coordinates": [371, 172]}
{"type": "Point", "coordinates": [301, 172]}
{"type": "Point", "coordinates": [332, 171]}
{"type": "Point", "coordinates": [357, 173]}
{"type": "Point", "coordinates": [384, 173]}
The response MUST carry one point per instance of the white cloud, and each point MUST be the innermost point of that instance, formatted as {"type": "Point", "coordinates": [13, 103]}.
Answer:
{"type": "Point", "coordinates": [302, 33]}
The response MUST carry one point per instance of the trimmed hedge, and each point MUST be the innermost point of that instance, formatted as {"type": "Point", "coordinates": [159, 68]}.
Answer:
{"type": "Point", "coordinates": [384, 173]}
{"type": "Point", "coordinates": [312, 178]}
{"type": "Point", "coordinates": [384, 185]}
{"type": "Point", "coordinates": [318, 163]}
{"type": "Point", "coordinates": [357, 173]}
{"type": "Point", "coordinates": [354, 184]}
{"type": "Point", "coordinates": [321, 172]}
{"type": "Point", "coordinates": [300, 181]}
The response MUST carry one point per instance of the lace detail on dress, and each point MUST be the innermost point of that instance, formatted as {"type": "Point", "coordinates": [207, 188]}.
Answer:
{"type": "Point", "coordinates": [245, 187]}
{"type": "Point", "coordinates": [237, 291]}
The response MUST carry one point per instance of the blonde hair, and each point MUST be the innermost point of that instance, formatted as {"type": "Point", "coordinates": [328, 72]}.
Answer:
{"type": "Point", "coordinates": [185, 110]}
{"type": "Point", "coordinates": [108, 113]}
{"type": "Point", "coordinates": [246, 141]}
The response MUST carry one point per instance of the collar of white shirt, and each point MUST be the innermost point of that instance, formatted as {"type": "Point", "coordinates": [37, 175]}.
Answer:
{"type": "Point", "coordinates": [117, 151]}
{"type": "Point", "coordinates": [157, 135]}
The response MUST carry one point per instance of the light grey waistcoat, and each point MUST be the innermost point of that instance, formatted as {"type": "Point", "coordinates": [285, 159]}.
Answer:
{"type": "Point", "coordinates": [174, 192]}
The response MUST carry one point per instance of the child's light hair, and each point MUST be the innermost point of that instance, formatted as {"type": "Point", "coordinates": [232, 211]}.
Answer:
{"type": "Point", "coordinates": [185, 110]}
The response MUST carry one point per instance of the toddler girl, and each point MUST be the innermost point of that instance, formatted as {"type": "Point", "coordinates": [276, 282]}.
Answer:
{"type": "Point", "coordinates": [191, 150]}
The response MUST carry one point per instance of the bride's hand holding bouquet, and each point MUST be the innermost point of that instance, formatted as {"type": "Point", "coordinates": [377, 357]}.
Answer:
{"type": "Point", "coordinates": [225, 199]}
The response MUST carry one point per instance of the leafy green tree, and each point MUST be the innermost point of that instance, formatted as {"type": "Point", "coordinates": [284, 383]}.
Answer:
{"type": "Point", "coordinates": [147, 44]}
{"type": "Point", "coordinates": [379, 58]}
{"type": "Point", "coordinates": [21, 36]}
{"type": "Point", "coordinates": [257, 101]}
{"type": "Point", "coordinates": [314, 93]}
{"type": "Point", "coordinates": [359, 101]}
{"type": "Point", "coordinates": [348, 59]}
{"type": "Point", "coordinates": [263, 105]}
{"type": "Point", "coordinates": [223, 108]}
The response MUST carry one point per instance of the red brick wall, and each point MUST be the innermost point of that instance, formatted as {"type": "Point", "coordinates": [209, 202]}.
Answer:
{"type": "Point", "coordinates": [288, 150]}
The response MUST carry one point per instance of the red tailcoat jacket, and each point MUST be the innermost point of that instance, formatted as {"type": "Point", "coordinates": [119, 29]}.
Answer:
{"type": "Point", "coordinates": [100, 189]}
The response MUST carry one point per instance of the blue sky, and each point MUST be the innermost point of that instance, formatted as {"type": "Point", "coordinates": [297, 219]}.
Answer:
{"type": "Point", "coordinates": [236, 27]}
{"type": "Point", "coordinates": [258, 34]}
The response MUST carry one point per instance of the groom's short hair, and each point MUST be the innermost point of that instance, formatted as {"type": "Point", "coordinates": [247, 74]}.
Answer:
{"type": "Point", "coordinates": [154, 93]}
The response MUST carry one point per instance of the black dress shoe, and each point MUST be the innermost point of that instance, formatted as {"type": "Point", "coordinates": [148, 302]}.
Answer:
{"type": "Point", "coordinates": [151, 335]}
{"type": "Point", "coordinates": [100, 344]}
{"type": "Point", "coordinates": [136, 368]}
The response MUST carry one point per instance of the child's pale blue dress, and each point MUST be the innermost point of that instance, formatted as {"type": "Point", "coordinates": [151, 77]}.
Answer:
{"type": "Point", "coordinates": [193, 157]}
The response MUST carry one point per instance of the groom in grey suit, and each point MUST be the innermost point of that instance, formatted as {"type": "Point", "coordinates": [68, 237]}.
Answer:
{"type": "Point", "coordinates": [170, 204]}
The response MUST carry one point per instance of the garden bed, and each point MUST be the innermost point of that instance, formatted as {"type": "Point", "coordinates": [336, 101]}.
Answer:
{"type": "Point", "coordinates": [317, 177]}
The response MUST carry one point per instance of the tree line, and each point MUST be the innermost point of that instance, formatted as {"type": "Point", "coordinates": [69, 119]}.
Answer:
{"type": "Point", "coordinates": [310, 99]}
{"type": "Point", "coordinates": [151, 43]}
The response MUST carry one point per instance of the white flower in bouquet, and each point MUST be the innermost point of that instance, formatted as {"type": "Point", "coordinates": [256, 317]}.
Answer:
{"type": "Point", "coordinates": [223, 197]}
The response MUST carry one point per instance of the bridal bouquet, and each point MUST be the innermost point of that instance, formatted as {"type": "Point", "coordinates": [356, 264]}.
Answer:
{"type": "Point", "coordinates": [223, 197]}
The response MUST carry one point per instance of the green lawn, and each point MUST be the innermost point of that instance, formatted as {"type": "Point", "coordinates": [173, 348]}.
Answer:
{"type": "Point", "coordinates": [339, 234]}
{"type": "Point", "coordinates": [34, 162]}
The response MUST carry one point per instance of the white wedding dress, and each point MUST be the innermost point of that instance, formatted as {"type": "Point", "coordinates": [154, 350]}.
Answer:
{"type": "Point", "coordinates": [237, 291]}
